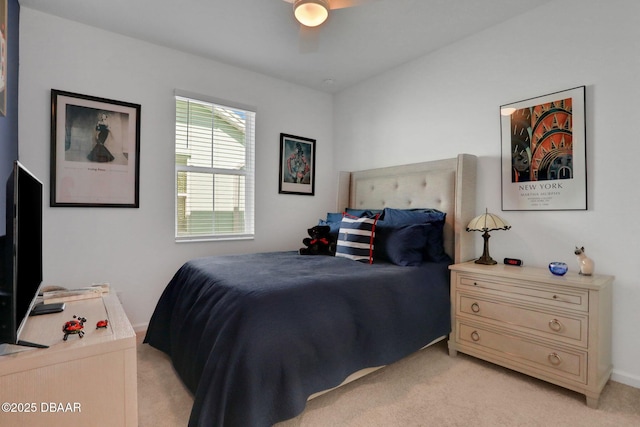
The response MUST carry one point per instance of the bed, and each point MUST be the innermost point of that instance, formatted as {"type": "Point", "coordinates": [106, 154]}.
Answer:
{"type": "Point", "coordinates": [255, 336]}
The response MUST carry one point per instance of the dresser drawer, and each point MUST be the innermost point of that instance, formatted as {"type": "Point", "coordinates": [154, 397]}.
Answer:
{"type": "Point", "coordinates": [544, 323]}
{"type": "Point", "coordinates": [560, 297]}
{"type": "Point", "coordinates": [528, 355]}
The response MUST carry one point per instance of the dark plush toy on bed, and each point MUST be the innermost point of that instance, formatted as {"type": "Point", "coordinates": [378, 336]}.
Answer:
{"type": "Point", "coordinates": [320, 242]}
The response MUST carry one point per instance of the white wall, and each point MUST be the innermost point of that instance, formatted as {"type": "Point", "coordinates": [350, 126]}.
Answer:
{"type": "Point", "coordinates": [134, 249]}
{"type": "Point", "coordinates": [448, 102]}
{"type": "Point", "coordinates": [435, 107]}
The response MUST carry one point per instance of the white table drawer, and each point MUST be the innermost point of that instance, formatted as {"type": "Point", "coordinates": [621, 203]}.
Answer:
{"type": "Point", "coordinates": [556, 361]}
{"type": "Point", "coordinates": [570, 329]}
{"type": "Point", "coordinates": [566, 297]}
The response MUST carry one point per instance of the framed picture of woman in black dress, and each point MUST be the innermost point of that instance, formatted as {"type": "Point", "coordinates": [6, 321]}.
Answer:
{"type": "Point", "coordinates": [95, 151]}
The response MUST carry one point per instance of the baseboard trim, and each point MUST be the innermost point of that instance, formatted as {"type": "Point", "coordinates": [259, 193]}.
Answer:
{"type": "Point", "coordinates": [140, 327]}
{"type": "Point", "coordinates": [625, 378]}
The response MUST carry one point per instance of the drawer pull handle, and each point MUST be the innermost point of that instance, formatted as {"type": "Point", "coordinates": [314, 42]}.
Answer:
{"type": "Point", "coordinates": [475, 307]}
{"type": "Point", "coordinates": [475, 336]}
{"type": "Point", "coordinates": [555, 325]}
{"type": "Point", "coordinates": [554, 359]}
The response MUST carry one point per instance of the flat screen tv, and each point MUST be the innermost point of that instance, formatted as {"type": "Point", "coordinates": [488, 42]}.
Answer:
{"type": "Point", "coordinates": [21, 254]}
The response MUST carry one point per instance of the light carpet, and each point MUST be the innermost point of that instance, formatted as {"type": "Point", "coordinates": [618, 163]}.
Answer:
{"type": "Point", "coordinates": [428, 388]}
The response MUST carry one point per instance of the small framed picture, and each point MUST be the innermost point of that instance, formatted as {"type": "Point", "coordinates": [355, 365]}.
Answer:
{"type": "Point", "coordinates": [95, 151]}
{"type": "Point", "coordinates": [544, 153]}
{"type": "Point", "coordinates": [297, 165]}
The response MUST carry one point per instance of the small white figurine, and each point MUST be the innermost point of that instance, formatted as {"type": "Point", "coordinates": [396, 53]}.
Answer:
{"type": "Point", "coordinates": [585, 263]}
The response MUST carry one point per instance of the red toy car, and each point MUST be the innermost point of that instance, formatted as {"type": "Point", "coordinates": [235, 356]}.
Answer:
{"type": "Point", "coordinates": [74, 326]}
{"type": "Point", "coordinates": [102, 324]}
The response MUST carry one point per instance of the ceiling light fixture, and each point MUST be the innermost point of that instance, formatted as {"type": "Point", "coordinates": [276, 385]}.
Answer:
{"type": "Point", "coordinates": [311, 13]}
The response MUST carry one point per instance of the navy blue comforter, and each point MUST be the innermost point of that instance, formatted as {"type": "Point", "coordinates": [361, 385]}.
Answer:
{"type": "Point", "coordinates": [252, 336]}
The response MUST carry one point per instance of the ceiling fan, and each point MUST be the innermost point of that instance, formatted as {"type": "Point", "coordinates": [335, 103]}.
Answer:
{"type": "Point", "coordinates": [313, 13]}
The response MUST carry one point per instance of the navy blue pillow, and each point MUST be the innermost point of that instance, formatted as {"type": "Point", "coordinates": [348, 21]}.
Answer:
{"type": "Point", "coordinates": [434, 248]}
{"type": "Point", "coordinates": [333, 221]}
{"type": "Point", "coordinates": [412, 216]}
{"type": "Point", "coordinates": [334, 216]}
{"type": "Point", "coordinates": [334, 227]}
{"type": "Point", "coordinates": [401, 244]}
{"type": "Point", "coordinates": [363, 212]}
{"type": "Point", "coordinates": [357, 212]}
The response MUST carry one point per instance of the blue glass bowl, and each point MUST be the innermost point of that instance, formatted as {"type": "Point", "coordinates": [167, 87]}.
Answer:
{"type": "Point", "coordinates": [558, 268]}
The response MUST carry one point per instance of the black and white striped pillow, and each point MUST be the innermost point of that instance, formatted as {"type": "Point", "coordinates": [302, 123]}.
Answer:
{"type": "Point", "coordinates": [355, 238]}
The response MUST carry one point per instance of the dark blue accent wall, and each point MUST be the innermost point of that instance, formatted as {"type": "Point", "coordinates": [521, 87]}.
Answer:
{"type": "Point", "coordinates": [9, 123]}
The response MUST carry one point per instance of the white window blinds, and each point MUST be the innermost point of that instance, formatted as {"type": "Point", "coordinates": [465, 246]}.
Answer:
{"type": "Point", "coordinates": [214, 170]}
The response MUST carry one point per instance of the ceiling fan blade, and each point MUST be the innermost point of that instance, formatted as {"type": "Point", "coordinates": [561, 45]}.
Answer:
{"type": "Point", "coordinates": [342, 4]}
{"type": "Point", "coordinates": [308, 40]}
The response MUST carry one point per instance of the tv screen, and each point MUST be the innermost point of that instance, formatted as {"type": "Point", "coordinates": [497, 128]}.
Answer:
{"type": "Point", "coordinates": [22, 252]}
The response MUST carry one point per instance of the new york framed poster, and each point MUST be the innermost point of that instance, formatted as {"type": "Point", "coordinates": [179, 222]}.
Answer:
{"type": "Point", "coordinates": [544, 152]}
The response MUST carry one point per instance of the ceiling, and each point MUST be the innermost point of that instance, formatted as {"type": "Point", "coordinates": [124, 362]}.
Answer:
{"type": "Point", "coordinates": [262, 35]}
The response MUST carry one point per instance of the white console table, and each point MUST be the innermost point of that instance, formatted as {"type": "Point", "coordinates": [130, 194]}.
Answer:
{"type": "Point", "coordinates": [80, 381]}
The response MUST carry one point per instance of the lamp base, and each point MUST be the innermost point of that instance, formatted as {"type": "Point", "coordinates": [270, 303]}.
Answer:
{"type": "Point", "coordinates": [486, 258]}
{"type": "Point", "coordinates": [486, 261]}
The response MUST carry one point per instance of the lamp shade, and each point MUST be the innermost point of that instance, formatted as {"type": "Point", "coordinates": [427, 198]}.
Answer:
{"type": "Point", "coordinates": [485, 223]}
{"type": "Point", "coordinates": [488, 222]}
{"type": "Point", "coordinates": [311, 13]}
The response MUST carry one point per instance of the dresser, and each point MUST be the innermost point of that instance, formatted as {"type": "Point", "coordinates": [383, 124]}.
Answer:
{"type": "Point", "coordinates": [555, 328]}
{"type": "Point", "coordinates": [88, 381]}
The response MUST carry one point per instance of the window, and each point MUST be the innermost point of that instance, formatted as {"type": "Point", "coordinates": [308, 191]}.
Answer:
{"type": "Point", "coordinates": [214, 170]}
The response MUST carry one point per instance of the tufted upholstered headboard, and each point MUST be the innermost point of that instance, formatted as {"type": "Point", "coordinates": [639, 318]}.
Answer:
{"type": "Point", "coordinates": [448, 185]}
